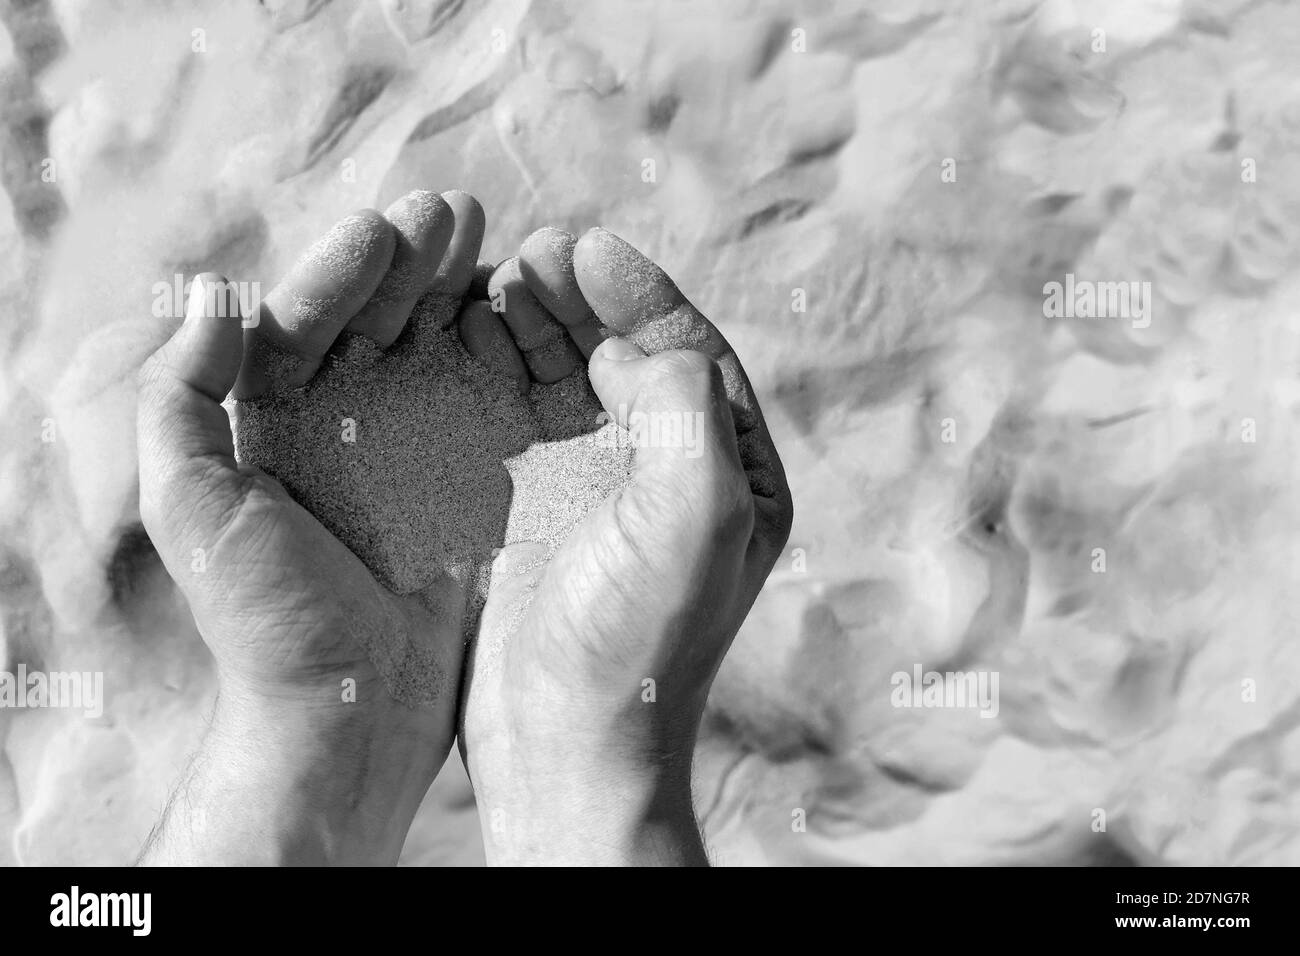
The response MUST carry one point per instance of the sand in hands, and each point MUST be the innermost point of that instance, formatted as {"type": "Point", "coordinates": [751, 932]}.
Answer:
{"type": "Point", "coordinates": [424, 461]}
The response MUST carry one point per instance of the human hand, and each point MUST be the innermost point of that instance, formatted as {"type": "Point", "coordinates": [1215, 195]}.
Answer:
{"type": "Point", "coordinates": [592, 667]}
{"type": "Point", "coordinates": [309, 757]}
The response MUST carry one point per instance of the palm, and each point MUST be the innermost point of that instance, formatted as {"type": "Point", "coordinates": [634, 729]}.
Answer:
{"type": "Point", "coordinates": [640, 602]}
{"type": "Point", "coordinates": [294, 600]}
{"type": "Point", "coordinates": [284, 605]}
{"type": "Point", "coordinates": [594, 619]}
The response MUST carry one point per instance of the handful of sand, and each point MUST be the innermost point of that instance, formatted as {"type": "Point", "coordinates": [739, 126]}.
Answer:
{"type": "Point", "coordinates": [424, 461]}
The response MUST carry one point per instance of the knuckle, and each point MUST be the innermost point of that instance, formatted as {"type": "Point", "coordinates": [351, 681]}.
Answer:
{"type": "Point", "coordinates": [726, 508]}
{"type": "Point", "coordinates": [683, 362]}
{"type": "Point", "coordinates": [736, 503]}
{"type": "Point", "coordinates": [698, 373]}
{"type": "Point", "coordinates": [149, 373]}
{"type": "Point", "coordinates": [782, 520]}
{"type": "Point", "coordinates": [785, 517]}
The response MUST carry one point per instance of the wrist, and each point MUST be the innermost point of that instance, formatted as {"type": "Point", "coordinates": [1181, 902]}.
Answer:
{"type": "Point", "coordinates": [602, 813]}
{"type": "Point", "coordinates": [276, 782]}
{"type": "Point", "coordinates": [341, 781]}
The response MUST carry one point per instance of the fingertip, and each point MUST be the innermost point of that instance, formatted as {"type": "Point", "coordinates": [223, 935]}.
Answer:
{"type": "Point", "coordinates": [470, 217]}
{"type": "Point", "coordinates": [207, 350]}
{"type": "Point", "coordinates": [456, 271]}
{"type": "Point", "coordinates": [518, 558]}
{"type": "Point", "coordinates": [330, 283]}
{"type": "Point", "coordinates": [546, 264]}
{"type": "Point", "coordinates": [478, 287]}
{"type": "Point", "coordinates": [586, 251]}
{"type": "Point", "coordinates": [548, 252]}
{"type": "Point", "coordinates": [358, 247]}
{"type": "Point", "coordinates": [608, 369]}
{"type": "Point", "coordinates": [485, 337]}
{"type": "Point", "coordinates": [460, 199]}
{"type": "Point", "coordinates": [368, 212]}
{"type": "Point", "coordinates": [622, 286]}
{"type": "Point", "coordinates": [422, 224]}
{"type": "Point", "coordinates": [617, 350]}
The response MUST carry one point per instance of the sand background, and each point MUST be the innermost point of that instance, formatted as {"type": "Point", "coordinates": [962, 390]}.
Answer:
{"type": "Point", "coordinates": [795, 146]}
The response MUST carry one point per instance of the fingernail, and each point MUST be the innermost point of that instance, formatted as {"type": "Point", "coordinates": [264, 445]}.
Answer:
{"type": "Point", "coordinates": [195, 307]}
{"type": "Point", "coordinates": [619, 350]}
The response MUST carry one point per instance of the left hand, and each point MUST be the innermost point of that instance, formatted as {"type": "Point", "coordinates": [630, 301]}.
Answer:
{"type": "Point", "coordinates": [303, 718]}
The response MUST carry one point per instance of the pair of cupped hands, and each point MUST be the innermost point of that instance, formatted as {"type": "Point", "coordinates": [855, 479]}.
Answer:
{"type": "Point", "coordinates": [572, 760]}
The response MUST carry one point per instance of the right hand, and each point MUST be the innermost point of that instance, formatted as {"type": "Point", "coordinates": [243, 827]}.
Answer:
{"type": "Point", "coordinates": [591, 672]}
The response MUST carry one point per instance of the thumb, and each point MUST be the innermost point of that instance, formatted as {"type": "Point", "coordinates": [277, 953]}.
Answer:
{"type": "Point", "coordinates": [516, 571]}
{"type": "Point", "coordinates": [188, 475]}
{"type": "Point", "coordinates": [675, 406]}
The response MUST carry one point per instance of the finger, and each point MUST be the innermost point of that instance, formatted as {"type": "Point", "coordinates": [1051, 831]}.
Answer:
{"type": "Point", "coordinates": [456, 272]}
{"type": "Point", "coordinates": [548, 352]}
{"type": "Point", "coordinates": [633, 297]}
{"type": "Point", "coordinates": [486, 338]}
{"type": "Point", "coordinates": [183, 432]}
{"type": "Point", "coordinates": [440, 306]}
{"type": "Point", "coordinates": [636, 299]}
{"type": "Point", "coordinates": [516, 571]}
{"type": "Point", "coordinates": [546, 262]}
{"type": "Point", "coordinates": [423, 223]}
{"type": "Point", "coordinates": [675, 407]}
{"type": "Point", "coordinates": [303, 315]}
